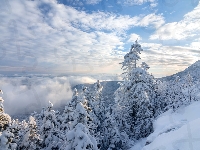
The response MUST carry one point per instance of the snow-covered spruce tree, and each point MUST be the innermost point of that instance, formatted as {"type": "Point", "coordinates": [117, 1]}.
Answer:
{"type": "Point", "coordinates": [75, 99]}
{"type": "Point", "coordinates": [6, 140]}
{"type": "Point", "coordinates": [31, 139]}
{"type": "Point", "coordinates": [5, 119]}
{"type": "Point", "coordinates": [134, 96]}
{"type": "Point", "coordinates": [76, 111]}
{"type": "Point", "coordinates": [80, 139]}
{"type": "Point", "coordinates": [159, 99]}
{"type": "Point", "coordinates": [6, 136]}
{"type": "Point", "coordinates": [99, 103]}
{"type": "Point", "coordinates": [50, 134]}
{"type": "Point", "coordinates": [67, 117]}
{"type": "Point", "coordinates": [16, 128]}
{"type": "Point", "coordinates": [190, 88]}
{"type": "Point", "coordinates": [112, 138]}
{"type": "Point", "coordinates": [87, 98]}
{"type": "Point", "coordinates": [180, 92]}
{"type": "Point", "coordinates": [174, 95]}
{"type": "Point", "coordinates": [75, 120]}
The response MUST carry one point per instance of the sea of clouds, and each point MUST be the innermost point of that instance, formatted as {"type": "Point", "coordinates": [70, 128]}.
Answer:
{"type": "Point", "coordinates": [26, 94]}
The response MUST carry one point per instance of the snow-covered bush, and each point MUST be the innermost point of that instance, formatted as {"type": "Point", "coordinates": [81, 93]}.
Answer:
{"type": "Point", "coordinates": [80, 139]}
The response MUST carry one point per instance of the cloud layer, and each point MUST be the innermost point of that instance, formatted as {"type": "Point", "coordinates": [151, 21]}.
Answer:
{"type": "Point", "coordinates": [27, 94]}
{"type": "Point", "coordinates": [45, 36]}
{"type": "Point", "coordinates": [188, 27]}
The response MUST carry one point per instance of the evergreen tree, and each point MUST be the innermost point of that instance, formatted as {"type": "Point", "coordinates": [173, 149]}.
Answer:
{"type": "Point", "coordinates": [159, 99]}
{"type": "Point", "coordinates": [134, 96]}
{"type": "Point", "coordinates": [50, 135]}
{"type": "Point", "coordinates": [99, 103]}
{"type": "Point", "coordinates": [175, 96]}
{"type": "Point", "coordinates": [67, 117]}
{"type": "Point", "coordinates": [80, 139]}
{"type": "Point", "coordinates": [31, 140]}
{"type": "Point", "coordinates": [75, 99]}
{"type": "Point", "coordinates": [6, 140]}
{"type": "Point", "coordinates": [190, 88]}
{"type": "Point", "coordinates": [78, 124]}
{"type": "Point", "coordinates": [111, 136]}
{"type": "Point", "coordinates": [6, 136]}
{"type": "Point", "coordinates": [5, 119]}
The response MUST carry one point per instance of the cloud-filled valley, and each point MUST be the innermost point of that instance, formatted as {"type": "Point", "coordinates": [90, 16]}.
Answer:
{"type": "Point", "coordinates": [27, 94]}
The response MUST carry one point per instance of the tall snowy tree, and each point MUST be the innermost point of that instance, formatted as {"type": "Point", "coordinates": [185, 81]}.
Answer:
{"type": "Point", "coordinates": [99, 107]}
{"type": "Point", "coordinates": [79, 139]}
{"type": "Point", "coordinates": [190, 88]}
{"type": "Point", "coordinates": [75, 99]}
{"type": "Point", "coordinates": [134, 96]}
{"type": "Point", "coordinates": [78, 124]}
{"type": "Point", "coordinates": [5, 119]}
{"type": "Point", "coordinates": [50, 135]}
{"type": "Point", "coordinates": [31, 139]}
{"type": "Point", "coordinates": [175, 97]}
{"type": "Point", "coordinates": [159, 98]}
{"type": "Point", "coordinates": [6, 136]}
{"type": "Point", "coordinates": [6, 140]}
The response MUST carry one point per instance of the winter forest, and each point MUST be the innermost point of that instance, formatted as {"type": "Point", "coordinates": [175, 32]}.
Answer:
{"type": "Point", "coordinates": [90, 122]}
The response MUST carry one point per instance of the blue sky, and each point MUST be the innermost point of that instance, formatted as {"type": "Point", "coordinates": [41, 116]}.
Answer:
{"type": "Point", "coordinates": [92, 36]}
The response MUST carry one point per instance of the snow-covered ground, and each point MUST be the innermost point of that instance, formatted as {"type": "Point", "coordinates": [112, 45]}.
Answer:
{"type": "Point", "coordinates": [174, 131]}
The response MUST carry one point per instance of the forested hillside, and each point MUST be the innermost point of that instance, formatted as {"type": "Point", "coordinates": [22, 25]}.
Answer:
{"type": "Point", "coordinates": [95, 118]}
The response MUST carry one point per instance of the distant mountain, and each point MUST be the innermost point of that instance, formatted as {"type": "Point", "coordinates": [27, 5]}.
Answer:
{"type": "Point", "coordinates": [193, 70]}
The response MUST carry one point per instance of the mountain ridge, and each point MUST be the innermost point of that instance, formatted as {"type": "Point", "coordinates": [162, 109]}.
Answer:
{"type": "Point", "coordinates": [193, 70]}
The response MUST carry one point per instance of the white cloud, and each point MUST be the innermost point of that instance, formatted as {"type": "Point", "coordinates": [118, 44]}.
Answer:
{"type": "Point", "coordinates": [92, 1]}
{"type": "Point", "coordinates": [153, 4]}
{"type": "Point", "coordinates": [167, 60]}
{"type": "Point", "coordinates": [28, 94]}
{"type": "Point", "coordinates": [188, 27]}
{"type": "Point", "coordinates": [133, 37]}
{"type": "Point", "coordinates": [49, 37]}
{"type": "Point", "coordinates": [137, 2]}
{"type": "Point", "coordinates": [151, 20]}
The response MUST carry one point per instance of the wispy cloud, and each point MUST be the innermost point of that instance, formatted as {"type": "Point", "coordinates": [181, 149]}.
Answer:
{"type": "Point", "coordinates": [138, 2]}
{"type": "Point", "coordinates": [93, 1]}
{"type": "Point", "coordinates": [187, 28]}
{"type": "Point", "coordinates": [47, 36]}
{"type": "Point", "coordinates": [167, 60]}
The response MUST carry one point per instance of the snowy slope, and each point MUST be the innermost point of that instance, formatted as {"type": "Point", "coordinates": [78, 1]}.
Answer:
{"type": "Point", "coordinates": [194, 71]}
{"type": "Point", "coordinates": [174, 131]}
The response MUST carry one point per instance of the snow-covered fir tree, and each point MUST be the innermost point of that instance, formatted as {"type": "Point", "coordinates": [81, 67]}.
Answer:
{"type": "Point", "coordinates": [31, 139]}
{"type": "Point", "coordinates": [75, 119]}
{"type": "Point", "coordinates": [134, 96]}
{"type": "Point", "coordinates": [175, 97]}
{"type": "Point", "coordinates": [190, 88]}
{"type": "Point", "coordinates": [112, 138]}
{"type": "Point", "coordinates": [159, 102]}
{"type": "Point", "coordinates": [87, 98]}
{"type": "Point", "coordinates": [5, 119]}
{"type": "Point", "coordinates": [80, 139]}
{"type": "Point", "coordinates": [67, 117]}
{"type": "Point", "coordinates": [6, 136]}
{"type": "Point", "coordinates": [75, 99]}
{"type": "Point", "coordinates": [99, 107]}
{"type": "Point", "coordinates": [6, 140]}
{"type": "Point", "coordinates": [49, 133]}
